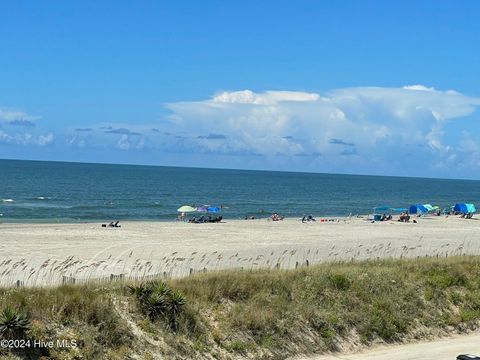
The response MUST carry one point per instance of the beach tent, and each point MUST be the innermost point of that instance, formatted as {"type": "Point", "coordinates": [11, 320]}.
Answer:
{"type": "Point", "coordinates": [430, 207]}
{"type": "Point", "coordinates": [186, 208]}
{"type": "Point", "coordinates": [398, 209]}
{"type": "Point", "coordinates": [208, 208]}
{"type": "Point", "coordinates": [465, 208]}
{"type": "Point", "coordinates": [420, 208]}
{"type": "Point", "coordinates": [378, 212]}
{"type": "Point", "coordinates": [384, 209]}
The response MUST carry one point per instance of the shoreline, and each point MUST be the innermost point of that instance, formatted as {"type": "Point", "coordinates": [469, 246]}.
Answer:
{"type": "Point", "coordinates": [4, 220]}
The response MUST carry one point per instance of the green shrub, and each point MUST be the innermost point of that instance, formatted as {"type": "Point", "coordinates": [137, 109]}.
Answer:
{"type": "Point", "coordinates": [339, 281]}
{"type": "Point", "coordinates": [158, 301]}
{"type": "Point", "coordinates": [443, 277]}
{"type": "Point", "coordinates": [13, 324]}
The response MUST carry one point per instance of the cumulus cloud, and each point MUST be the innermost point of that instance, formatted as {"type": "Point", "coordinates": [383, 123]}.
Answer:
{"type": "Point", "coordinates": [418, 87]}
{"type": "Point", "coordinates": [369, 121]}
{"type": "Point", "coordinates": [14, 120]}
{"type": "Point", "coordinates": [118, 136]}
{"type": "Point", "coordinates": [266, 98]}
{"type": "Point", "coordinates": [405, 130]}
{"type": "Point", "coordinates": [16, 117]}
{"type": "Point", "coordinates": [127, 143]}
{"type": "Point", "coordinates": [26, 138]}
{"type": "Point", "coordinates": [44, 139]}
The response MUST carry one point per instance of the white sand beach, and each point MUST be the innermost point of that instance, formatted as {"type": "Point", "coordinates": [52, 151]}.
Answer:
{"type": "Point", "coordinates": [42, 254]}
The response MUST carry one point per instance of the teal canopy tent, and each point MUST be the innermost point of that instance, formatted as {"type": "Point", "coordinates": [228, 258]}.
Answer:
{"type": "Point", "coordinates": [465, 208]}
{"type": "Point", "coordinates": [398, 209]}
{"type": "Point", "coordinates": [384, 209]}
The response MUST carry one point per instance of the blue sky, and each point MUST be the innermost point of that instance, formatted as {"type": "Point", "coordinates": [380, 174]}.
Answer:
{"type": "Point", "coordinates": [369, 87]}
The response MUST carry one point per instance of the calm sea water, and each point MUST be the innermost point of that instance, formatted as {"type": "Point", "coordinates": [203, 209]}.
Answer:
{"type": "Point", "coordinates": [54, 191]}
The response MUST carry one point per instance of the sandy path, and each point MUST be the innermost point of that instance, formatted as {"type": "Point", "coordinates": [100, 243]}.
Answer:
{"type": "Point", "coordinates": [444, 349]}
{"type": "Point", "coordinates": [43, 253]}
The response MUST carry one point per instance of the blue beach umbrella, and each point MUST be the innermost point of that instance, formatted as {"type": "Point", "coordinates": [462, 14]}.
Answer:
{"type": "Point", "coordinates": [208, 208]}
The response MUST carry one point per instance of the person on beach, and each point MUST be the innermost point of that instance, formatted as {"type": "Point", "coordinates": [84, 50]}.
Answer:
{"type": "Point", "coordinates": [181, 217]}
{"type": "Point", "coordinates": [276, 217]}
{"type": "Point", "coordinates": [404, 217]}
{"type": "Point", "coordinates": [308, 218]}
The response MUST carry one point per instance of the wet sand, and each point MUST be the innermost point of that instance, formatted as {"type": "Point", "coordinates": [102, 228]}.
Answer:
{"type": "Point", "coordinates": [40, 254]}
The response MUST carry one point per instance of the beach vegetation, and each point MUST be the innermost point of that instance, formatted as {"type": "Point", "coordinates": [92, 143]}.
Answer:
{"type": "Point", "coordinates": [158, 301]}
{"type": "Point", "coordinates": [267, 314]}
{"type": "Point", "coordinates": [13, 324]}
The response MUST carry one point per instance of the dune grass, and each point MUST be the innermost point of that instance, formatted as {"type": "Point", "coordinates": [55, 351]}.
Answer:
{"type": "Point", "coordinates": [270, 314]}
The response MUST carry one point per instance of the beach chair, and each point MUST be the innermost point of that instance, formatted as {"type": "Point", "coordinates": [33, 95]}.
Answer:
{"type": "Point", "coordinates": [374, 217]}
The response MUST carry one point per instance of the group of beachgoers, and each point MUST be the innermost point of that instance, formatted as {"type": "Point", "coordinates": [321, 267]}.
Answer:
{"type": "Point", "coordinates": [205, 219]}
{"type": "Point", "coordinates": [405, 216]}
{"type": "Point", "coordinates": [462, 214]}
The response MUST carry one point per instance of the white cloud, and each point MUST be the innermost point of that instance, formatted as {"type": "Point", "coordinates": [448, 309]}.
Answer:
{"type": "Point", "coordinates": [404, 130]}
{"type": "Point", "coordinates": [376, 120]}
{"type": "Point", "coordinates": [128, 142]}
{"type": "Point", "coordinates": [8, 115]}
{"type": "Point", "coordinates": [44, 139]}
{"type": "Point", "coordinates": [418, 87]}
{"type": "Point", "coordinates": [26, 138]}
{"type": "Point", "coordinates": [266, 98]}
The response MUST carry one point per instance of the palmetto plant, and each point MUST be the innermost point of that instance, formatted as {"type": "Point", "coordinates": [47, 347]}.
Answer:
{"type": "Point", "coordinates": [176, 304]}
{"type": "Point", "coordinates": [156, 305]}
{"type": "Point", "coordinates": [13, 324]}
{"type": "Point", "coordinates": [157, 300]}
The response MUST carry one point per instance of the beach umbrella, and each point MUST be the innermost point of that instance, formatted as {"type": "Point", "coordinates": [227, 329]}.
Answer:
{"type": "Point", "coordinates": [203, 208]}
{"type": "Point", "coordinates": [186, 208]}
{"type": "Point", "coordinates": [213, 209]}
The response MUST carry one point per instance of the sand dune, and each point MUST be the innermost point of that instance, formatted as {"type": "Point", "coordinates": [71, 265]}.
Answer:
{"type": "Point", "coordinates": [37, 254]}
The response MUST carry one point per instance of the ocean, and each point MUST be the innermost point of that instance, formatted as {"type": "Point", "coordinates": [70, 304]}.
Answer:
{"type": "Point", "coordinates": [71, 192]}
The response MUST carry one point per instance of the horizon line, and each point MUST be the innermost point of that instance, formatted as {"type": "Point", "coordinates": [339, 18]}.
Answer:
{"type": "Point", "coordinates": [238, 169]}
